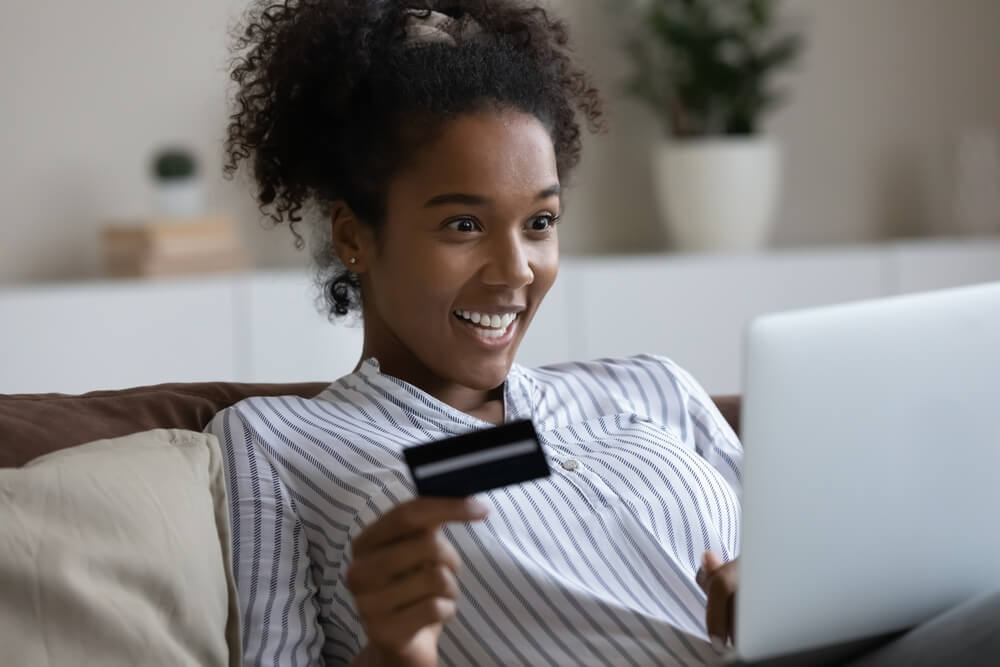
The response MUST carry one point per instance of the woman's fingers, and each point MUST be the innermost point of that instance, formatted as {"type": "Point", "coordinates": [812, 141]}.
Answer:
{"type": "Point", "coordinates": [731, 633]}
{"type": "Point", "coordinates": [379, 568]}
{"type": "Point", "coordinates": [398, 629]}
{"type": "Point", "coordinates": [403, 576]}
{"type": "Point", "coordinates": [414, 617]}
{"type": "Point", "coordinates": [710, 562]}
{"type": "Point", "coordinates": [719, 581]}
{"type": "Point", "coordinates": [435, 581]}
{"type": "Point", "coordinates": [416, 516]}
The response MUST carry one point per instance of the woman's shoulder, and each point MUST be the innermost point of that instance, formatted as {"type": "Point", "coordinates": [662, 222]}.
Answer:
{"type": "Point", "coordinates": [648, 366]}
{"type": "Point", "coordinates": [642, 384]}
{"type": "Point", "coordinates": [256, 413]}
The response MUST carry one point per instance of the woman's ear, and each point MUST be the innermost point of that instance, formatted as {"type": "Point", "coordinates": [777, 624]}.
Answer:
{"type": "Point", "coordinates": [352, 240]}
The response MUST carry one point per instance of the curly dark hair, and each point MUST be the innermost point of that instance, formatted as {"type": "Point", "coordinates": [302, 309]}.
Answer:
{"type": "Point", "coordinates": [332, 98]}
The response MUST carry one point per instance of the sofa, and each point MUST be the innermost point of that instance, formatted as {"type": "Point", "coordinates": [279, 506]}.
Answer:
{"type": "Point", "coordinates": [114, 528]}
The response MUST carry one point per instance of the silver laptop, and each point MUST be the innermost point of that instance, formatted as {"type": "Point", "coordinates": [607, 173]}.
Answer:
{"type": "Point", "coordinates": [872, 470]}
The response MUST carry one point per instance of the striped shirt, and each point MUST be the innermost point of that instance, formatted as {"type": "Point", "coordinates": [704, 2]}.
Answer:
{"type": "Point", "coordinates": [593, 565]}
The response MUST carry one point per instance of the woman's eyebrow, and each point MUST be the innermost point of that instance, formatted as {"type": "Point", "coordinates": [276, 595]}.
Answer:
{"type": "Point", "coordinates": [551, 191]}
{"type": "Point", "coordinates": [479, 200]}
{"type": "Point", "coordinates": [457, 198]}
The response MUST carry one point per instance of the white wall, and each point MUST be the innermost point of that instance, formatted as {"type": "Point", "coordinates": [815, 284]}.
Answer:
{"type": "Point", "coordinates": [881, 96]}
{"type": "Point", "coordinates": [886, 90]}
{"type": "Point", "coordinates": [91, 88]}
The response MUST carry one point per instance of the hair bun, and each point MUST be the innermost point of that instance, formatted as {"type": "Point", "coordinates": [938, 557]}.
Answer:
{"type": "Point", "coordinates": [425, 26]}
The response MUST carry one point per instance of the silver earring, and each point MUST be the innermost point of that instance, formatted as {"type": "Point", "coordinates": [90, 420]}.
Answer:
{"type": "Point", "coordinates": [353, 260]}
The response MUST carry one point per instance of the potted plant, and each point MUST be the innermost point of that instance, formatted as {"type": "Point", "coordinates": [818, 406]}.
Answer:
{"type": "Point", "coordinates": [706, 67]}
{"type": "Point", "coordinates": [177, 189]}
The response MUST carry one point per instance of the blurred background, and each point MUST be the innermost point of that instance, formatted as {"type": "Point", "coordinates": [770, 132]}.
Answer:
{"type": "Point", "coordinates": [888, 180]}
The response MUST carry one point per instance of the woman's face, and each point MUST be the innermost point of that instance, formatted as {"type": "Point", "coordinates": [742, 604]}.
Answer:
{"type": "Point", "coordinates": [467, 252]}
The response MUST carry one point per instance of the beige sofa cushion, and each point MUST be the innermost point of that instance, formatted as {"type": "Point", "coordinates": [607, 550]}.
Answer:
{"type": "Point", "coordinates": [116, 552]}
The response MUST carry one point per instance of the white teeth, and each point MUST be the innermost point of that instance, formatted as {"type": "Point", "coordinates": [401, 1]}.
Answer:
{"type": "Point", "coordinates": [497, 323]}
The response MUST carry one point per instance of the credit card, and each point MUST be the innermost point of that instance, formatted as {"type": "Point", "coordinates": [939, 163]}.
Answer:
{"type": "Point", "coordinates": [478, 461]}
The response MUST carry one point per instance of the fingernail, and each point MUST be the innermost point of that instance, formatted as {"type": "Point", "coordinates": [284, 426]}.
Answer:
{"type": "Point", "coordinates": [718, 644]}
{"type": "Point", "coordinates": [476, 507]}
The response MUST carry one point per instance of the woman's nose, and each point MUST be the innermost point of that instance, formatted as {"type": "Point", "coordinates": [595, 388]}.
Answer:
{"type": "Point", "coordinates": [508, 264]}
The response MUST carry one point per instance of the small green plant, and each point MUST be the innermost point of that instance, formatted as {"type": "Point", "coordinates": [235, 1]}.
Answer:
{"type": "Point", "coordinates": [174, 164]}
{"type": "Point", "coordinates": [706, 66]}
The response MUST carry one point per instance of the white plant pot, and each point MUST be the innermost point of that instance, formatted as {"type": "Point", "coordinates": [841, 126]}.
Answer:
{"type": "Point", "coordinates": [179, 198]}
{"type": "Point", "coordinates": [720, 193]}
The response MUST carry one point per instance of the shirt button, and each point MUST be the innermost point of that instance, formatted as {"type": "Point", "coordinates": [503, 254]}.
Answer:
{"type": "Point", "coordinates": [570, 464]}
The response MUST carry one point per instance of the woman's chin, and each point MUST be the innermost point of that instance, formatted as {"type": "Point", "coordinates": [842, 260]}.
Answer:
{"type": "Point", "coordinates": [484, 374]}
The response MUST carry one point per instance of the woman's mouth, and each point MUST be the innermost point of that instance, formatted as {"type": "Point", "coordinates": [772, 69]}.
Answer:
{"type": "Point", "coordinates": [490, 326]}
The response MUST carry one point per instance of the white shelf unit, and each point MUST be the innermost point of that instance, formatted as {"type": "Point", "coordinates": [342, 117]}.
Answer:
{"type": "Point", "coordinates": [265, 327]}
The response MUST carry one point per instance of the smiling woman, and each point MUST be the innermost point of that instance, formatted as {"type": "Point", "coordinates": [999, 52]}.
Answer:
{"type": "Point", "coordinates": [485, 244]}
{"type": "Point", "coordinates": [426, 143]}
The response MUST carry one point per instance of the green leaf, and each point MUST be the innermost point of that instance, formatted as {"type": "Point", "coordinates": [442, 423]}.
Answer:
{"type": "Point", "coordinates": [174, 164]}
{"type": "Point", "coordinates": [782, 52]}
{"type": "Point", "coordinates": [761, 12]}
{"type": "Point", "coordinates": [703, 66]}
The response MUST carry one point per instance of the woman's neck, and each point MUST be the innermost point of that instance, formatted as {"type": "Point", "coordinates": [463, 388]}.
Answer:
{"type": "Point", "coordinates": [487, 405]}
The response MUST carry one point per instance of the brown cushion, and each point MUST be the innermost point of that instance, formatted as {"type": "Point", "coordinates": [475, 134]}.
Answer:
{"type": "Point", "coordinates": [729, 406]}
{"type": "Point", "coordinates": [35, 424]}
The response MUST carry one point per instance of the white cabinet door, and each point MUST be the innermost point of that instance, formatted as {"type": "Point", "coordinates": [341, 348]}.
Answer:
{"type": "Point", "coordinates": [111, 335]}
{"type": "Point", "coordinates": [285, 337]}
{"type": "Point", "coordinates": [694, 309]}
{"type": "Point", "coordinates": [265, 326]}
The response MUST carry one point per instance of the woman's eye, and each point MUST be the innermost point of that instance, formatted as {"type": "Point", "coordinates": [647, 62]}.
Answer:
{"type": "Point", "coordinates": [542, 223]}
{"type": "Point", "coordinates": [463, 225]}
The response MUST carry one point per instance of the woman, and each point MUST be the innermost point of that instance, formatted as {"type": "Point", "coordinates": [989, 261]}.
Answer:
{"type": "Point", "coordinates": [429, 143]}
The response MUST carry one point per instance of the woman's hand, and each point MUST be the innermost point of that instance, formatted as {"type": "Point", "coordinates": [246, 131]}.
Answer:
{"type": "Point", "coordinates": [403, 579]}
{"type": "Point", "coordinates": [719, 580]}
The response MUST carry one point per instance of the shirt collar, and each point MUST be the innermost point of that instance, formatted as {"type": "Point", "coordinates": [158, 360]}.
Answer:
{"type": "Point", "coordinates": [519, 391]}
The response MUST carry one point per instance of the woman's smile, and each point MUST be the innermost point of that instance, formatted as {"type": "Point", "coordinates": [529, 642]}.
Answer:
{"type": "Point", "coordinates": [490, 329]}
